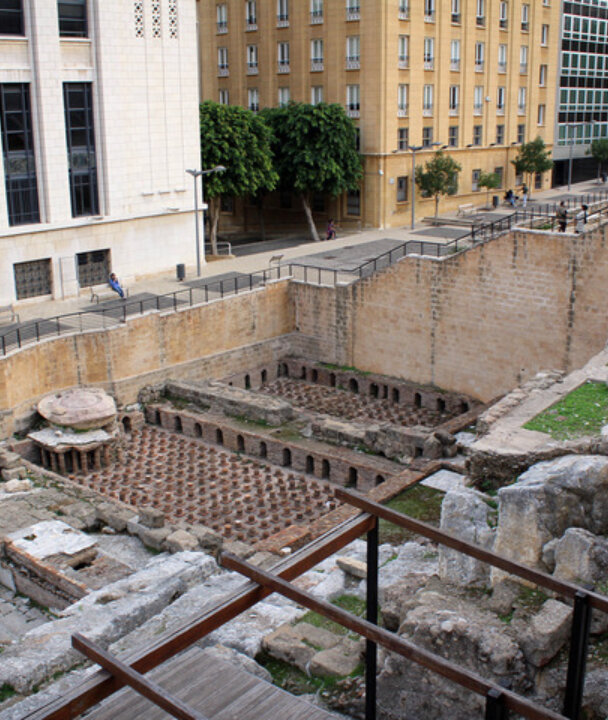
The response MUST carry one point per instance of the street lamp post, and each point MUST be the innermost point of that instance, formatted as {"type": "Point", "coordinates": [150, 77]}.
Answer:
{"type": "Point", "coordinates": [196, 174]}
{"type": "Point", "coordinates": [414, 149]}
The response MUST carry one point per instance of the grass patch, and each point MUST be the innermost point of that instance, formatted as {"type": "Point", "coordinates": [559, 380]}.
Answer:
{"type": "Point", "coordinates": [531, 599]}
{"type": "Point", "coordinates": [582, 412]}
{"type": "Point", "coordinates": [420, 502]}
{"type": "Point", "coordinates": [289, 678]}
{"type": "Point", "coordinates": [6, 692]}
{"type": "Point", "coordinates": [250, 421]}
{"type": "Point", "coordinates": [350, 603]}
{"type": "Point", "coordinates": [345, 368]}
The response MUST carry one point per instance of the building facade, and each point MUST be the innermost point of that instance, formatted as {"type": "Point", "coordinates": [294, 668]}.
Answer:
{"type": "Point", "coordinates": [99, 121]}
{"type": "Point", "coordinates": [582, 112]}
{"type": "Point", "coordinates": [476, 77]}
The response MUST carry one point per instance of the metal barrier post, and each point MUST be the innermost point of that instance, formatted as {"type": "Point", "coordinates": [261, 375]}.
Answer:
{"type": "Point", "coordinates": [581, 622]}
{"type": "Point", "coordinates": [319, 269]}
{"type": "Point", "coordinates": [4, 344]}
{"type": "Point", "coordinates": [18, 338]}
{"type": "Point", "coordinates": [495, 707]}
{"type": "Point", "coordinates": [190, 296]}
{"type": "Point", "coordinates": [371, 615]}
{"type": "Point", "coordinates": [206, 293]}
{"type": "Point", "coordinates": [236, 285]}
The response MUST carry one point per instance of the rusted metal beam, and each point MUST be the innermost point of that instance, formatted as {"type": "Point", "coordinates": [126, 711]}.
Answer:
{"type": "Point", "coordinates": [102, 684]}
{"type": "Point", "coordinates": [464, 678]}
{"type": "Point", "coordinates": [146, 688]}
{"type": "Point", "coordinates": [567, 589]}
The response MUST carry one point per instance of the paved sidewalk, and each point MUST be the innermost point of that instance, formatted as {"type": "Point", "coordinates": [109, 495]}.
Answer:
{"type": "Point", "coordinates": [249, 258]}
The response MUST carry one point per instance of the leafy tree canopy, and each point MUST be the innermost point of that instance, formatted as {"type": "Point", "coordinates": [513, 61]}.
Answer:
{"type": "Point", "coordinates": [489, 180]}
{"type": "Point", "coordinates": [438, 177]}
{"type": "Point", "coordinates": [599, 150]}
{"type": "Point", "coordinates": [315, 150]}
{"type": "Point", "coordinates": [533, 157]}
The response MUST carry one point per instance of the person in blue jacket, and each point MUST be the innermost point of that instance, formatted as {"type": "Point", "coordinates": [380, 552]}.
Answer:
{"type": "Point", "coordinates": [115, 285]}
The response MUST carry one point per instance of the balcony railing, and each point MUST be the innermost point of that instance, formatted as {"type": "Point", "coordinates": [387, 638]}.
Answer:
{"type": "Point", "coordinates": [252, 68]}
{"type": "Point", "coordinates": [402, 111]}
{"type": "Point", "coordinates": [353, 62]}
{"type": "Point", "coordinates": [455, 65]}
{"type": "Point", "coordinates": [500, 110]}
{"type": "Point", "coordinates": [404, 13]}
{"type": "Point", "coordinates": [427, 111]}
{"type": "Point", "coordinates": [222, 27]}
{"type": "Point", "coordinates": [316, 17]}
{"type": "Point", "coordinates": [429, 17]}
{"type": "Point", "coordinates": [282, 21]}
{"type": "Point", "coordinates": [353, 111]}
{"type": "Point", "coordinates": [353, 13]}
{"type": "Point", "coordinates": [523, 68]}
{"type": "Point", "coordinates": [502, 67]}
{"type": "Point", "coordinates": [429, 64]}
{"type": "Point", "coordinates": [521, 110]}
{"type": "Point", "coordinates": [479, 67]}
{"type": "Point", "coordinates": [404, 62]}
{"type": "Point", "coordinates": [222, 71]}
{"type": "Point", "coordinates": [525, 26]}
{"type": "Point", "coordinates": [454, 111]}
{"type": "Point", "coordinates": [251, 24]}
{"type": "Point", "coordinates": [477, 109]}
{"type": "Point", "coordinates": [283, 67]}
{"type": "Point", "coordinates": [316, 65]}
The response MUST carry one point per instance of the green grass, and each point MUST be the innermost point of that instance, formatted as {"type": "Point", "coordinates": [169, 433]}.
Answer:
{"type": "Point", "coordinates": [243, 419]}
{"type": "Point", "coordinates": [531, 599]}
{"type": "Point", "coordinates": [289, 678]}
{"type": "Point", "coordinates": [350, 603]}
{"type": "Point", "coordinates": [419, 502]}
{"type": "Point", "coordinates": [6, 692]}
{"type": "Point", "coordinates": [582, 412]}
{"type": "Point", "coordinates": [345, 368]}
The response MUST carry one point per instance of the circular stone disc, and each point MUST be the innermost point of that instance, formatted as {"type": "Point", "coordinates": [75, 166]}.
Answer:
{"type": "Point", "coordinates": [79, 408]}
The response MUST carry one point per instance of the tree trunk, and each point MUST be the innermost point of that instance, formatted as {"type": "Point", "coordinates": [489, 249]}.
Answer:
{"type": "Point", "coordinates": [260, 204]}
{"type": "Point", "coordinates": [436, 205]}
{"type": "Point", "coordinates": [214, 217]}
{"type": "Point", "coordinates": [311, 225]}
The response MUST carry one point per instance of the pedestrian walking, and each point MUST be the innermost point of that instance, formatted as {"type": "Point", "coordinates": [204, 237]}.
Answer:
{"type": "Point", "coordinates": [562, 216]}
{"type": "Point", "coordinates": [524, 197]}
{"type": "Point", "coordinates": [331, 230]}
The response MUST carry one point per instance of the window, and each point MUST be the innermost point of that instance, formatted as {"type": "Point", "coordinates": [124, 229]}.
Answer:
{"type": "Point", "coordinates": [453, 136]}
{"type": "Point", "coordinates": [503, 22]}
{"type": "Point", "coordinates": [251, 15]}
{"type": "Point", "coordinates": [455, 55]}
{"type": "Point", "coordinates": [429, 10]}
{"type": "Point", "coordinates": [283, 56]}
{"type": "Point", "coordinates": [523, 59]}
{"type": "Point", "coordinates": [221, 13]}
{"type": "Point", "coordinates": [316, 94]}
{"type": "Point", "coordinates": [222, 60]}
{"type": "Point", "coordinates": [353, 9]}
{"type": "Point", "coordinates": [455, 11]}
{"type": "Point", "coordinates": [475, 180]}
{"type": "Point", "coordinates": [18, 152]}
{"type": "Point", "coordinates": [358, 139]}
{"type": "Point", "coordinates": [283, 12]}
{"type": "Point", "coordinates": [11, 17]}
{"type": "Point", "coordinates": [501, 94]}
{"type": "Point", "coordinates": [502, 58]}
{"type": "Point", "coordinates": [404, 51]}
{"type": "Point", "coordinates": [429, 52]}
{"type": "Point", "coordinates": [252, 59]}
{"type": "Point", "coordinates": [402, 186]}
{"type": "Point", "coordinates": [541, 114]}
{"type": "Point", "coordinates": [454, 99]}
{"type": "Point", "coordinates": [427, 136]}
{"type": "Point", "coordinates": [283, 96]}
{"type": "Point", "coordinates": [477, 99]}
{"type": "Point", "coordinates": [481, 13]}
{"type": "Point", "coordinates": [427, 100]}
{"type": "Point", "coordinates": [316, 54]}
{"type": "Point", "coordinates": [402, 100]}
{"type": "Point", "coordinates": [500, 134]}
{"type": "Point", "coordinates": [80, 135]}
{"type": "Point", "coordinates": [224, 98]}
{"type": "Point", "coordinates": [353, 202]}
{"type": "Point", "coordinates": [521, 133]}
{"type": "Point", "coordinates": [542, 76]}
{"type": "Point", "coordinates": [403, 138]}
{"type": "Point", "coordinates": [500, 171]}
{"type": "Point", "coordinates": [404, 9]}
{"type": "Point", "coordinates": [316, 11]}
{"type": "Point", "coordinates": [538, 181]}
{"type": "Point", "coordinates": [479, 56]}
{"type": "Point", "coordinates": [253, 99]}
{"type": "Point", "coordinates": [33, 278]}
{"type": "Point", "coordinates": [544, 35]}
{"type": "Point", "coordinates": [525, 17]}
{"type": "Point", "coordinates": [72, 18]}
{"type": "Point", "coordinates": [352, 52]}
{"type": "Point", "coordinates": [521, 100]}
{"type": "Point", "coordinates": [93, 267]}
{"type": "Point", "coordinates": [477, 134]}
{"type": "Point", "coordinates": [352, 100]}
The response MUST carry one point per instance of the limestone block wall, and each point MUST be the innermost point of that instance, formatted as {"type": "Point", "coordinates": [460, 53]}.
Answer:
{"type": "Point", "coordinates": [203, 342]}
{"type": "Point", "coordinates": [478, 322]}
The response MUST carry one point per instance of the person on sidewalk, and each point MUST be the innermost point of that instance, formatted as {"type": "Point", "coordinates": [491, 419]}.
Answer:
{"type": "Point", "coordinates": [115, 285]}
{"type": "Point", "coordinates": [331, 230]}
{"type": "Point", "coordinates": [524, 196]}
{"type": "Point", "coordinates": [562, 216]}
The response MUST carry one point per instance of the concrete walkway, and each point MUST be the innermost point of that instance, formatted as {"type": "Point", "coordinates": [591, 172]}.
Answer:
{"type": "Point", "coordinates": [248, 260]}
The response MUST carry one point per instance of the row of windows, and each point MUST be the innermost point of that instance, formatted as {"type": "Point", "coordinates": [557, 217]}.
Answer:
{"type": "Point", "coordinates": [19, 158]}
{"type": "Point", "coordinates": [582, 133]}
{"type": "Point", "coordinates": [353, 56]}
{"type": "Point", "coordinates": [579, 28]}
{"type": "Point", "coordinates": [584, 64]}
{"type": "Point", "coordinates": [353, 12]}
{"type": "Point", "coordinates": [71, 17]}
{"type": "Point", "coordinates": [403, 136]}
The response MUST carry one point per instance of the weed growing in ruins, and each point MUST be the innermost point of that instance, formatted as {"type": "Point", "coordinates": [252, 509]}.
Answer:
{"type": "Point", "coordinates": [260, 422]}
{"type": "Point", "coordinates": [582, 412]}
{"type": "Point", "coordinates": [350, 603]}
{"type": "Point", "coordinates": [531, 599]}
{"type": "Point", "coordinates": [599, 649]}
{"type": "Point", "coordinates": [345, 368]}
{"type": "Point", "coordinates": [420, 502]}
{"type": "Point", "coordinates": [6, 692]}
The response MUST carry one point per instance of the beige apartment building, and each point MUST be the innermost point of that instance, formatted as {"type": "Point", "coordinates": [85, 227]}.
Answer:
{"type": "Point", "coordinates": [474, 77]}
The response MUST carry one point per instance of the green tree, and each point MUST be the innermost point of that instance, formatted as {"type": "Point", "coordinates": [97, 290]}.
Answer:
{"type": "Point", "coordinates": [438, 177]}
{"type": "Point", "coordinates": [315, 151]}
{"type": "Point", "coordinates": [490, 181]}
{"type": "Point", "coordinates": [533, 157]}
{"type": "Point", "coordinates": [599, 151]}
{"type": "Point", "coordinates": [240, 140]}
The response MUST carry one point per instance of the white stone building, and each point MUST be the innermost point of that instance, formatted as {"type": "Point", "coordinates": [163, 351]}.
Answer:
{"type": "Point", "coordinates": [99, 122]}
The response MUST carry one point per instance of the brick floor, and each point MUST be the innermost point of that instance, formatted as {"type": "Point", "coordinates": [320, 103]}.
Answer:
{"type": "Point", "coordinates": [191, 481]}
{"type": "Point", "coordinates": [350, 406]}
